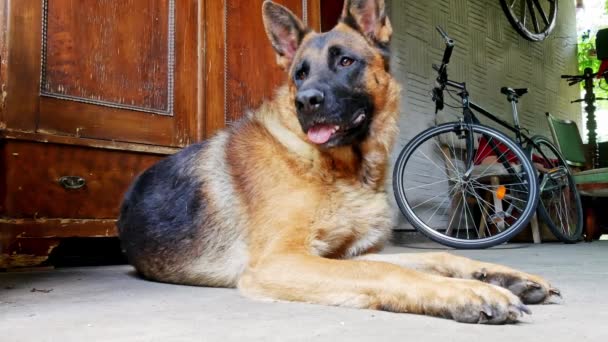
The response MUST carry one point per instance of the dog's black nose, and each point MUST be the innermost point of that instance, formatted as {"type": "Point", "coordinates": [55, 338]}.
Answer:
{"type": "Point", "coordinates": [309, 100]}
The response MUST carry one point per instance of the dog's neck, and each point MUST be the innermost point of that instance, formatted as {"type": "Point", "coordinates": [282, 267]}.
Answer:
{"type": "Point", "coordinates": [368, 159]}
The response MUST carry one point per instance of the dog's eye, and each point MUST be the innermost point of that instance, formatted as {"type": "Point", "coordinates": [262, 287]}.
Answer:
{"type": "Point", "coordinates": [301, 75]}
{"type": "Point", "coordinates": [346, 61]}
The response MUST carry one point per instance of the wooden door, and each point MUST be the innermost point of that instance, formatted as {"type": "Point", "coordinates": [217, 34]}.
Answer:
{"type": "Point", "coordinates": [111, 70]}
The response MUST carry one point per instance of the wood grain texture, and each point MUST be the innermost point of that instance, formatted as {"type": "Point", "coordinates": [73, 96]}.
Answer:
{"type": "Point", "coordinates": [240, 63]}
{"type": "Point", "coordinates": [61, 117]}
{"type": "Point", "coordinates": [214, 66]}
{"type": "Point", "coordinates": [187, 92]}
{"type": "Point", "coordinates": [114, 51]}
{"type": "Point", "coordinates": [3, 57]}
{"type": "Point", "coordinates": [27, 111]}
{"type": "Point", "coordinates": [23, 68]}
{"type": "Point", "coordinates": [200, 72]}
{"type": "Point", "coordinates": [95, 143]}
{"type": "Point", "coordinates": [58, 228]}
{"type": "Point", "coordinates": [251, 71]}
{"type": "Point", "coordinates": [28, 242]}
{"type": "Point", "coordinates": [33, 170]}
{"type": "Point", "coordinates": [330, 13]}
{"type": "Point", "coordinates": [315, 9]}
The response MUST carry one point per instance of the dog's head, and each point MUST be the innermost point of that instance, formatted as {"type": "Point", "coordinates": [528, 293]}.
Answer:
{"type": "Point", "coordinates": [339, 78]}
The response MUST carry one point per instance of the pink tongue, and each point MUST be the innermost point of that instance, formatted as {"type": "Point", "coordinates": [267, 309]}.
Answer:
{"type": "Point", "coordinates": [320, 134]}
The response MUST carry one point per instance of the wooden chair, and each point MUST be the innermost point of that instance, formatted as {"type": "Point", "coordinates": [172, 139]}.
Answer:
{"type": "Point", "coordinates": [589, 182]}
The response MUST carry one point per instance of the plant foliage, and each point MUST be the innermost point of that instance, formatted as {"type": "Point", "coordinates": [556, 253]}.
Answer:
{"type": "Point", "coordinates": [587, 59]}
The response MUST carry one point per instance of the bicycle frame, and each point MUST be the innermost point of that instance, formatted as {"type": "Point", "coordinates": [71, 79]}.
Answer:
{"type": "Point", "coordinates": [469, 118]}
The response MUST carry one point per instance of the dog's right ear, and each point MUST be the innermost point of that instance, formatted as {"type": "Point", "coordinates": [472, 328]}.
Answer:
{"type": "Point", "coordinates": [284, 30]}
{"type": "Point", "coordinates": [368, 17]}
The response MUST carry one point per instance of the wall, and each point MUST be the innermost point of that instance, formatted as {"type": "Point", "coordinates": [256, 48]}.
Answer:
{"type": "Point", "coordinates": [489, 54]}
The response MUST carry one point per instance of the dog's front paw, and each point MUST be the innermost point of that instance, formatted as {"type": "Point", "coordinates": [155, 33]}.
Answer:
{"type": "Point", "coordinates": [476, 302]}
{"type": "Point", "coordinates": [530, 288]}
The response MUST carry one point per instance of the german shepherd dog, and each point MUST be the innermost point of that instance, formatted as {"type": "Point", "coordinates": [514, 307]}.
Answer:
{"type": "Point", "coordinates": [290, 203]}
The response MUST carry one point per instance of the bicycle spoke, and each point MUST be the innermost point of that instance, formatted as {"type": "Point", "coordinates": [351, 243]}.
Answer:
{"type": "Point", "coordinates": [467, 222]}
{"type": "Point", "coordinates": [492, 188]}
{"type": "Point", "coordinates": [453, 216]}
{"type": "Point", "coordinates": [481, 207]}
{"type": "Point", "coordinates": [490, 205]}
{"type": "Point", "coordinates": [506, 196]}
{"type": "Point", "coordinates": [440, 205]}
{"type": "Point", "coordinates": [560, 214]}
{"type": "Point", "coordinates": [464, 203]}
{"type": "Point", "coordinates": [428, 184]}
{"type": "Point", "coordinates": [542, 13]}
{"type": "Point", "coordinates": [447, 158]}
{"type": "Point", "coordinates": [421, 175]}
{"type": "Point", "coordinates": [483, 151]}
{"type": "Point", "coordinates": [435, 164]}
{"type": "Point", "coordinates": [428, 200]}
{"type": "Point", "coordinates": [533, 16]}
{"type": "Point", "coordinates": [485, 209]}
{"type": "Point", "coordinates": [566, 212]}
{"type": "Point", "coordinates": [524, 12]}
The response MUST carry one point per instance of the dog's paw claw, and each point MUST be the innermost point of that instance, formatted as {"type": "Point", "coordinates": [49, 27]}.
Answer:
{"type": "Point", "coordinates": [487, 311]}
{"type": "Point", "coordinates": [481, 274]}
{"type": "Point", "coordinates": [485, 304]}
{"type": "Point", "coordinates": [555, 292]}
{"type": "Point", "coordinates": [485, 316]}
{"type": "Point", "coordinates": [530, 289]}
{"type": "Point", "coordinates": [524, 309]}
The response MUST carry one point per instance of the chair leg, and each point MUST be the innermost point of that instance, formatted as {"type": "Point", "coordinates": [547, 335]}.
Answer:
{"type": "Point", "coordinates": [484, 217]}
{"type": "Point", "coordinates": [482, 224]}
{"type": "Point", "coordinates": [500, 224]}
{"type": "Point", "coordinates": [591, 224]}
{"type": "Point", "coordinates": [454, 206]}
{"type": "Point", "coordinates": [535, 230]}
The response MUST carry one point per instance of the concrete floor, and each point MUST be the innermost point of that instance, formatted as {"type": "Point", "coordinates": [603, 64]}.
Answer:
{"type": "Point", "coordinates": [111, 304]}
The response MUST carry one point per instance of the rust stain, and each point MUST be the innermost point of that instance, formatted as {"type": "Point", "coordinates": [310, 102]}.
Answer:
{"type": "Point", "coordinates": [22, 260]}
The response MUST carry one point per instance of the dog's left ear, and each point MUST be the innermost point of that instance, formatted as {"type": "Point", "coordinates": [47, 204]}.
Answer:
{"type": "Point", "coordinates": [284, 30]}
{"type": "Point", "coordinates": [368, 17]}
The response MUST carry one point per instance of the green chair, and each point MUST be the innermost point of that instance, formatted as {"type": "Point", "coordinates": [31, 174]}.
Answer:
{"type": "Point", "coordinates": [565, 133]}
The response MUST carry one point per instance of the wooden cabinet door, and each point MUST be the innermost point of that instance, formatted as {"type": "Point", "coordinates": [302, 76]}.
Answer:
{"type": "Point", "coordinates": [241, 69]}
{"type": "Point", "coordinates": [111, 70]}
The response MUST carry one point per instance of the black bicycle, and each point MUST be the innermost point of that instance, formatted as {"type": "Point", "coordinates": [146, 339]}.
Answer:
{"type": "Point", "coordinates": [467, 185]}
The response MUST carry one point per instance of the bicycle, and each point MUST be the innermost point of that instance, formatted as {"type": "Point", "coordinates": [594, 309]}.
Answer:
{"type": "Point", "coordinates": [467, 185]}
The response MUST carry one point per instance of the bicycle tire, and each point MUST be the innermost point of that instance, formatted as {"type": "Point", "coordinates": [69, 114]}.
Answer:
{"type": "Point", "coordinates": [526, 171]}
{"type": "Point", "coordinates": [569, 194]}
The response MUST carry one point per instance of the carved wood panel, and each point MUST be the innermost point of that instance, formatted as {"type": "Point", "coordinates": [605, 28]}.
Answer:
{"type": "Point", "coordinates": [114, 53]}
{"type": "Point", "coordinates": [96, 69]}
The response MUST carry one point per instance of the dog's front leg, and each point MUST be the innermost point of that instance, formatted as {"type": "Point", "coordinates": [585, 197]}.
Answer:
{"type": "Point", "coordinates": [532, 289]}
{"type": "Point", "coordinates": [378, 285]}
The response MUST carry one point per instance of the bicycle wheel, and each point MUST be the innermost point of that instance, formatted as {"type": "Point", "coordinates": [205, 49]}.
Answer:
{"type": "Point", "coordinates": [477, 208]}
{"type": "Point", "coordinates": [560, 204]}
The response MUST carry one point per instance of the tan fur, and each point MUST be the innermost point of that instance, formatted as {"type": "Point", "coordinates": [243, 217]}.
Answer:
{"type": "Point", "coordinates": [294, 222]}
